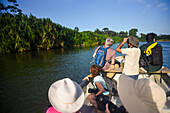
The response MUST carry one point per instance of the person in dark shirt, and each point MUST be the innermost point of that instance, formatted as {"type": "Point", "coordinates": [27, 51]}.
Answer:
{"type": "Point", "coordinates": [151, 43]}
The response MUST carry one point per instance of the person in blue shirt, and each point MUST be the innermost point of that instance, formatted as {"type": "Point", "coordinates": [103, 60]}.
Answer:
{"type": "Point", "coordinates": [99, 84]}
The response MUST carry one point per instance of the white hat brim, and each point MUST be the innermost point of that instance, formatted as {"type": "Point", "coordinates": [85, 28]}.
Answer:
{"type": "Point", "coordinates": [129, 98]}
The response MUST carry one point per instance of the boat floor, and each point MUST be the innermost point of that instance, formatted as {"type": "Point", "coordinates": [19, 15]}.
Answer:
{"type": "Point", "coordinates": [88, 108]}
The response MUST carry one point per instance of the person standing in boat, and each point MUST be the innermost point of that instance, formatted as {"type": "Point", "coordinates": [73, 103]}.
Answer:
{"type": "Point", "coordinates": [151, 54]}
{"type": "Point", "coordinates": [100, 85]}
{"type": "Point", "coordinates": [132, 56]}
{"type": "Point", "coordinates": [110, 55]}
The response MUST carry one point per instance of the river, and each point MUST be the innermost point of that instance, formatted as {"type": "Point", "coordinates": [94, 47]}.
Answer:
{"type": "Point", "coordinates": [26, 77]}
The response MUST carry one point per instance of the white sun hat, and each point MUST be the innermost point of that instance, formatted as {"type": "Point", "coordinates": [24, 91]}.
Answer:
{"type": "Point", "coordinates": [141, 96]}
{"type": "Point", "coordinates": [66, 96]}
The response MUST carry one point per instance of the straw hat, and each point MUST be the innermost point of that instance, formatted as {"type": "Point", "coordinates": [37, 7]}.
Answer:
{"type": "Point", "coordinates": [66, 96]}
{"type": "Point", "coordinates": [141, 96]}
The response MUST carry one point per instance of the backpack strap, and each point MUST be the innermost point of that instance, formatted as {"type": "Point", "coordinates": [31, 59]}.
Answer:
{"type": "Point", "coordinates": [106, 52]}
{"type": "Point", "coordinates": [146, 62]}
{"type": "Point", "coordinates": [95, 54]}
{"type": "Point", "coordinates": [148, 50]}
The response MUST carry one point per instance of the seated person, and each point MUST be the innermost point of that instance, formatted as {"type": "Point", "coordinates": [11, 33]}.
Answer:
{"type": "Point", "coordinates": [65, 96]}
{"type": "Point", "coordinates": [151, 54]}
{"type": "Point", "coordinates": [100, 85]}
{"type": "Point", "coordinates": [110, 55]}
{"type": "Point", "coordinates": [141, 96]}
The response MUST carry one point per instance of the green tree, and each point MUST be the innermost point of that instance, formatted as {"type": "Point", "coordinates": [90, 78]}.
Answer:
{"type": "Point", "coordinates": [123, 34]}
{"type": "Point", "coordinates": [76, 28]}
{"type": "Point", "coordinates": [142, 37]}
{"type": "Point", "coordinates": [97, 31]}
{"type": "Point", "coordinates": [105, 30]}
{"type": "Point", "coordinates": [12, 8]}
{"type": "Point", "coordinates": [133, 32]}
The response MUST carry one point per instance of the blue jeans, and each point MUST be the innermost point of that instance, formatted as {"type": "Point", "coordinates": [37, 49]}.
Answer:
{"type": "Point", "coordinates": [134, 77]}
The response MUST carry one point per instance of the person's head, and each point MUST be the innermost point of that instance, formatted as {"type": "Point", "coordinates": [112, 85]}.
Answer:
{"type": "Point", "coordinates": [95, 70]}
{"type": "Point", "coordinates": [66, 96]}
{"type": "Point", "coordinates": [109, 41]}
{"type": "Point", "coordinates": [150, 37]}
{"type": "Point", "coordinates": [141, 96]}
{"type": "Point", "coordinates": [133, 41]}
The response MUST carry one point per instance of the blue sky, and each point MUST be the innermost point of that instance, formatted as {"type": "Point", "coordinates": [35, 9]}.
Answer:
{"type": "Point", "coordinates": [117, 15]}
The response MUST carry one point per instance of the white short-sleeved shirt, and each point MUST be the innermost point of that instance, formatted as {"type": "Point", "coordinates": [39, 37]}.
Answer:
{"type": "Point", "coordinates": [132, 56]}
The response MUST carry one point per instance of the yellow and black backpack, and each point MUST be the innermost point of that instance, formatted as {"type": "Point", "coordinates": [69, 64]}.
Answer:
{"type": "Point", "coordinates": [153, 54]}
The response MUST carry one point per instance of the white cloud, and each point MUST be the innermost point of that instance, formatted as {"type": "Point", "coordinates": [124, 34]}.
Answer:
{"type": "Point", "coordinates": [161, 5]}
{"type": "Point", "coordinates": [154, 3]}
{"type": "Point", "coordinates": [150, 4]}
{"type": "Point", "coordinates": [164, 9]}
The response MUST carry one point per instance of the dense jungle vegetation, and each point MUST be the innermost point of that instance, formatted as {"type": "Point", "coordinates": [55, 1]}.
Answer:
{"type": "Point", "coordinates": [19, 33]}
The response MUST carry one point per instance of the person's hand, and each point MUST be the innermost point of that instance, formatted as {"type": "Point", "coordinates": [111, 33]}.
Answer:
{"type": "Point", "coordinates": [124, 40]}
{"type": "Point", "coordinates": [87, 77]}
{"type": "Point", "coordinates": [107, 108]}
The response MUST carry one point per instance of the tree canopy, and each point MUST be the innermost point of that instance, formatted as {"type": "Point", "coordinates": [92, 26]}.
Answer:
{"type": "Point", "coordinates": [20, 32]}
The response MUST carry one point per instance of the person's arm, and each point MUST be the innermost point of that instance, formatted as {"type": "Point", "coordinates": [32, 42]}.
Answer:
{"type": "Point", "coordinates": [118, 49]}
{"type": "Point", "coordinates": [94, 54]}
{"type": "Point", "coordinates": [100, 87]}
{"type": "Point", "coordinates": [113, 58]}
{"type": "Point", "coordinates": [87, 77]}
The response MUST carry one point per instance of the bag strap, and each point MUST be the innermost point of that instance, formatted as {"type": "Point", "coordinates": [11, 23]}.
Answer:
{"type": "Point", "coordinates": [146, 62]}
{"type": "Point", "coordinates": [106, 53]}
{"type": "Point", "coordinates": [148, 50]}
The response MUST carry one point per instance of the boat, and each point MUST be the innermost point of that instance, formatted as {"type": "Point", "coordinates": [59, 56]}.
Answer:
{"type": "Point", "coordinates": [161, 77]}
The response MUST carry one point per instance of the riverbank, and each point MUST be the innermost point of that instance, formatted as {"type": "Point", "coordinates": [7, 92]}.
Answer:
{"type": "Point", "coordinates": [163, 40]}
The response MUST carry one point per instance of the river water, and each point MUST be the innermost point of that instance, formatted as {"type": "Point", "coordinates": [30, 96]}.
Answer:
{"type": "Point", "coordinates": [26, 77]}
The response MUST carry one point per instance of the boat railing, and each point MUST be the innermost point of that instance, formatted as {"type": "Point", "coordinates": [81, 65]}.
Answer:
{"type": "Point", "coordinates": [141, 71]}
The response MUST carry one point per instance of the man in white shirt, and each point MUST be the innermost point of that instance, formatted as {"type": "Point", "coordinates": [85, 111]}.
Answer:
{"type": "Point", "coordinates": [132, 56]}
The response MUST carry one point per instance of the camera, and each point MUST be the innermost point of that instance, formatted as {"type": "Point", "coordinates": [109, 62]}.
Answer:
{"type": "Point", "coordinates": [112, 107]}
{"type": "Point", "coordinates": [103, 99]}
{"type": "Point", "coordinates": [95, 90]}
